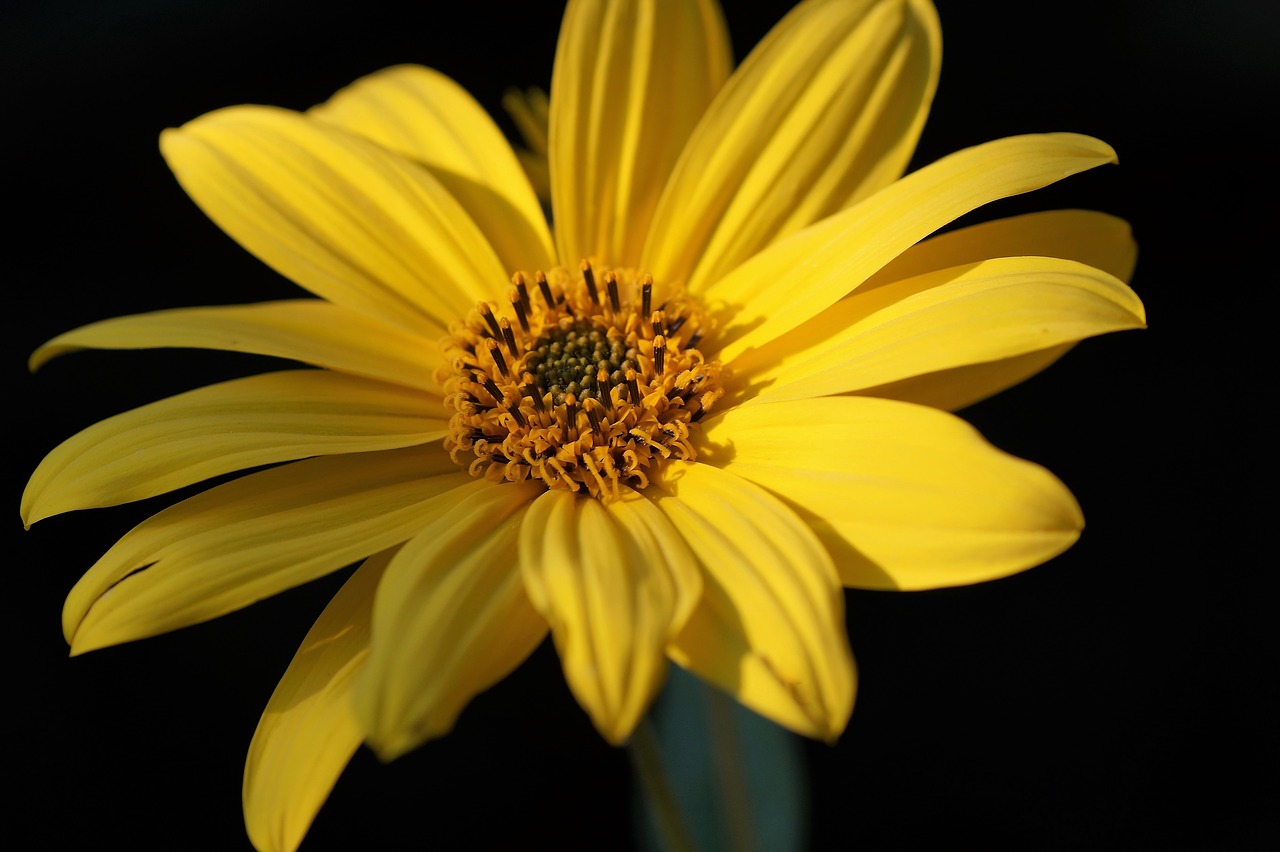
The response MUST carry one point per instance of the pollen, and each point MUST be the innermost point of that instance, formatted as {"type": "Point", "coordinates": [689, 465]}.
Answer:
{"type": "Point", "coordinates": [579, 381]}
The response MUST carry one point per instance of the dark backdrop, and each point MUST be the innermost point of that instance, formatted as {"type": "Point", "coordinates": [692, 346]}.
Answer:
{"type": "Point", "coordinates": [1121, 696]}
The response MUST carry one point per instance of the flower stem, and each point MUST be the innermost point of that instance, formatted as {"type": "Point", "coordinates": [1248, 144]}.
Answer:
{"type": "Point", "coordinates": [730, 772]}
{"type": "Point", "coordinates": [647, 760]}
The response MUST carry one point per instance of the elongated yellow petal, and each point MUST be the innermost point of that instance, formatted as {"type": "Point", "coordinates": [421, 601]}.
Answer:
{"type": "Point", "coordinates": [794, 279]}
{"type": "Point", "coordinates": [1088, 236]}
{"type": "Point", "coordinates": [308, 330]}
{"type": "Point", "coordinates": [450, 619]}
{"type": "Point", "coordinates": [904, 496]}
{"type": "Point", "coordinates": [770, 626]}
{"type": "Point", "coordinates": [983, 312]}
{"type": "Point", "coordinates": [615, 581]}
{"type": "Point", "coordinates": [426, 116]}
{"type": "Point", "coordinates": [630, 81]}
{"type": "Point", "coordinates": [254, 537]}
{"type": "Point", "coordinates": [226, 427]}
{"type": "Point", "coordinates": [826, 110]}
{"type": "Point", "coordinates": [309, 731]}
{"type": "Point", "coordinates": [339, 215]}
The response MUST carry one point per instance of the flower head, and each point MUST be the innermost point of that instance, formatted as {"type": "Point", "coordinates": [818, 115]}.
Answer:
{"type": "Point", "coordinates": [668, 425]}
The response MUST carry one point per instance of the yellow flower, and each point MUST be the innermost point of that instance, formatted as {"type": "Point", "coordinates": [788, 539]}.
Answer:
{"type": "Point", "coordinates": [672, 427]}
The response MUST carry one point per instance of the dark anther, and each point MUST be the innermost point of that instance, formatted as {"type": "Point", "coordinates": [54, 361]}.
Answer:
{"type": "Point", "coordinates": [496, 354]}
{"type": "Point", "coordinates": [659, 353]}
{"type": "Point", "coordinates": [489, 319]}
{"type": "Point", "coordinates": [646, 293]}
{"type": "Point", "coordinates": [509, 337]}
{"type": "Point", "coordinates": [633, 388]}
{"type": "Point", "coordinates": [546, 290]}
{"type": "Point", "coordinates": [611, 281]}
{"type": "Point", "coordinates": [590, 278]}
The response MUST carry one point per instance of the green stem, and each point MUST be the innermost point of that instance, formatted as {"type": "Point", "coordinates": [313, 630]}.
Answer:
{"type": "Point", "coordinates": [647, 760]}
{"type": "Point", "coordinates": [730, 772]}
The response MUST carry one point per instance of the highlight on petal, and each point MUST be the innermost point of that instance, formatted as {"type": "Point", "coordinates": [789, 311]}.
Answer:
{"type": "Point", "coordinates": [980, 313]}
{"type": "Point", "coordinates": [309, 330]}
{"type": "Point", "coordinates": [825, 111]}
{"type": "Point", "coordinates": [769, 628]}
{"type": "Point", "coordinates": [345, 218]}
{"type": "Point", "coordinates": [616, 582]}
{"type": "Point", "coordinates": [794, 279]}
{"type": "Point", "coordinates": [308, 731]}
{"type": "Point", "coordinates": [227, 427]}
{"type": "Point", "coordinates": [1090, 237]}
{"type": "Point", "coordinates": [904, 496]}
{"type": "Point", "coordinates": [424, 115]}
{"type": "Point", "coordinates": [450, 618]}
{"type": "Point", "coordinates": [630, 81]}
{"type": "Point", "coordinates": [252, 538]}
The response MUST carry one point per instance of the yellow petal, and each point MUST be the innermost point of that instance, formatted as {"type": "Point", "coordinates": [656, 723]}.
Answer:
{"type": "Point", "coordinates": [615, 582]}
{"type": "Point", "coordinates": [794, 279]}
{"type": "Point", "coordinates": [252, 538]}
{"type": "Point", "coordinates": [309, 731]}
{"type": "Point", "coordinates": [308, 330]}
{"type": "Point", "coordinates": [1092, 238]}
{"type": "Point", "coordinates": [904, 496]}
{"type": "Point", "coordinates": [630, 80]}
{"type": "Point", "coordinates": [424, 115]}
{"type": "Point", "coordinates": [983, 312]}
{"type": "Point", "coordinates": [826, 110]}
{"type": "Point", "coordinates": [339, 215]}
{"type": "Point", "coordinates": [227, 427]}
{"type": "Point", "coordinates": [770, 626]}
{"type": "Point", "coordinates": [450, 619]}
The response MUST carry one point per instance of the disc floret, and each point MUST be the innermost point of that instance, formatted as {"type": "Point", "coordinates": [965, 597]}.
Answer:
{"type": "Point", "coordinates": [582, 382]}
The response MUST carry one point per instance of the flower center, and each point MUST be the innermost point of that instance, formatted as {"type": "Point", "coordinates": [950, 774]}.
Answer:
{"type": "Point", "coordinates": [588, 388]}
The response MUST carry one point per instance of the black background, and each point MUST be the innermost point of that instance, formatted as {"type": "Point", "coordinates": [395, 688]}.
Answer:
{"type": "Point", "coordinates": [1122, 696]}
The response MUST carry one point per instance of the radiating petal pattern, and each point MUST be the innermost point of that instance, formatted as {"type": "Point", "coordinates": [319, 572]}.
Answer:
{"type": "Point", "coordinates": [826, 110]}
{"type": "Point", "coordinates": [983, 312]}
{"type": "Point", "coordinates": [770, 626]}
{"type": "Point", "coordinates": [309, 731]}
{"type": "Point", "coordinates": [630, 81]}
{"type": "Point", "coordinates": [794, 279]}
{"type": "Point", "coordinates": [339, 215]}
{"type": "Point", "coordinates": [426, 116]}
{"type": "Point", "coordinates": [308, 330]}
{"type": "Point", "coordinates": [450, 619]}
{"type": "Point", "coordinates": [904, 496]}
{"type": "Point", "coordinates": [615, 581]}
{"type": "Point", "coordinates": [254, 537]}
{"type": "Point", "coordinates": [226, 427]}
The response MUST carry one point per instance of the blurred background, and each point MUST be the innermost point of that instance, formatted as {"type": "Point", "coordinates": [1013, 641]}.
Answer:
{"type": "Point", "coordinates": [1122, 696]}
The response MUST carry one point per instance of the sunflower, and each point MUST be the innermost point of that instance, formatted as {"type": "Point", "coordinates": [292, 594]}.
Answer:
{"type": "Point", "coordinates": [669, 428]}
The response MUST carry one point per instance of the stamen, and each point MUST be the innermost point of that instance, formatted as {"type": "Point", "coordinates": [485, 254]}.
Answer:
{"type": "Point", "coordinates": [611, 281]}
{"type": "Point", "coordinates": [519, 299]}
{"type": "Point", "coordinates": [510, 338]}
{"type": "Point", "coordinates": [496, 355]}
{"type": "Point", "coordinates": [655, 319]}
{"type": "Point", "coordinates": [546, 290]}
{"type": "Point", "coordinates": [659, 353]}
{"type": "Point", "coordinates": [633, 387]}
{"type": "Point", "coordinates": [489, 318]}
{"type": "Point", "coordinates": [571, 417]}
{"type": "Point", "coordinates": [646, 293]}
{"type": "Point", "coordinates": [590, 406]}
{"type": "Point", "coordinates": [522, 292]}
{"type": "Point", "coordinates": [515, 412]}
{"type": "Point", "coordinates": [602, 382]}
{"type": "Point", "coordinates": [590, 277]}
{"type": "Point", "coordinates": [483, 379]}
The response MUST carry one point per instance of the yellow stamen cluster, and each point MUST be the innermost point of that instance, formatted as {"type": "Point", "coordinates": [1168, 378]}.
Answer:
{"type": "Point", "coordinates": [584, 384]}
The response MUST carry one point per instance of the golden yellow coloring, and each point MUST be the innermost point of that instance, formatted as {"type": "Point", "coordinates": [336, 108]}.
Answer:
{"type": "Point", "coordinates": [582, 384]}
